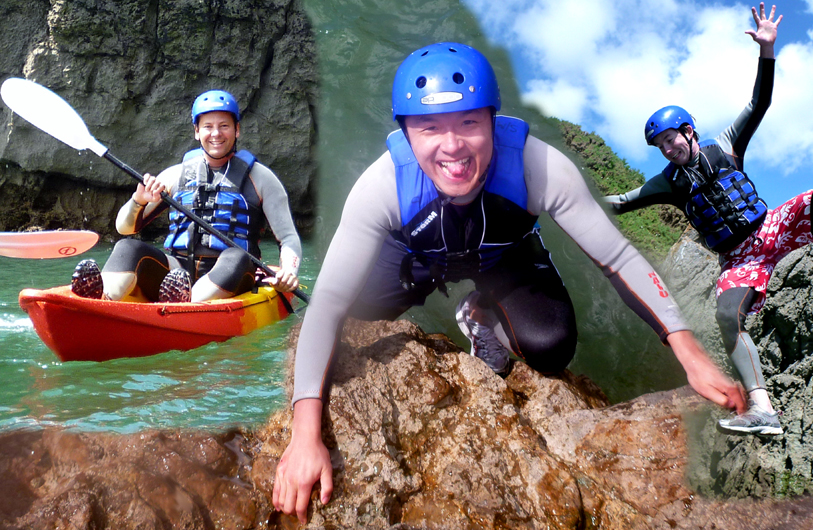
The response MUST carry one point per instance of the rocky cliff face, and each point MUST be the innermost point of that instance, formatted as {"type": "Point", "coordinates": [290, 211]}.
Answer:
{"type": "Point", "coordinates": [132, 68]}
{"type": "Point", "coordinates": [752, 466]}
{"type": "Point", "coordinates": [421, 436]}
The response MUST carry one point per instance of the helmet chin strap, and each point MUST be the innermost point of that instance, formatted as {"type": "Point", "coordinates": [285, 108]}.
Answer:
{"type": "Point", "coordinates": [689, 140]}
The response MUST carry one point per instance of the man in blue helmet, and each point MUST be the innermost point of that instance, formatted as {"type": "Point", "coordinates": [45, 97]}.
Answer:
{"type": "Point", "coordinates": [706, 181]}
{"type": "Point", "coordinates": [457, 196]}
{"type": "Point", "coordinates": [227, 188]}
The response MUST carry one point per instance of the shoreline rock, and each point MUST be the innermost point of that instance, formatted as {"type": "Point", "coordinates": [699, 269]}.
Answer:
{"type": "Point", "coordinates": [422, 435]}
{"type": "Point", "coordinates": [752, 466]}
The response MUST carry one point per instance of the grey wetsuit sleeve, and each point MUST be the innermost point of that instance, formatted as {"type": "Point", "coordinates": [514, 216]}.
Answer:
{"type": "Point", "coordinates": [370, 213]}
{"type": "Point", "coordinates": [130, 216]}
{"type": "Point", "coordinates": [278, 212]}
{"type": "Point", "coordinates": [655, 191]}
{"type": "Point", "coordinates": [555, 186]}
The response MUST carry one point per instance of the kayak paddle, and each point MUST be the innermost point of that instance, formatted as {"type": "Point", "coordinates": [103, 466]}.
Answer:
{"type": "Point", "coordinates": [50, 113]}
{"type": "Point", "coordinates": [46, 244]}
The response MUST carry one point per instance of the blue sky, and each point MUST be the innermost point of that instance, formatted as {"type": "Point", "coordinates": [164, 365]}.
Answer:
{"type": "Point", "coordinates": [608, 65]}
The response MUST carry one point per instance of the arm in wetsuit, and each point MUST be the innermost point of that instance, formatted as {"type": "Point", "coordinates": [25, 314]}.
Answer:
{"type": "Point", "coordinates": [370, 213]}
{"type": "Point", "coordinates": [556, 186]}
{"type": "Point", "coordinates": [134, 216]}
{"type": "Point", "coordinates": [655, 191]}
{"type": "Point", "coordinates": [278, 213]}
{"type": "Point", "coordinates": [734, 140]}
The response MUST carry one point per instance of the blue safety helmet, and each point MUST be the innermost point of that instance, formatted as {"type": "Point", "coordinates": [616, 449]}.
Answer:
{"type": "Point", "coordinates": [444, 77]}
{"type": "Point", "coordinates": [215, 100]}
{"type": "Point", "coordinates": [671, 117]}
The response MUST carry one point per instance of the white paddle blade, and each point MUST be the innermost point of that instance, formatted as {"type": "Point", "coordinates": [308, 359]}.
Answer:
{"type": "Point", "coordinates": [46, 244]}
{"type": "Point", "coordinates": [49, 112]}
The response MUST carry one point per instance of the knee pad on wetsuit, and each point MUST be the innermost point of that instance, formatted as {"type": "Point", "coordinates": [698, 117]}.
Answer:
{"type": "Point", "coordinates": [233, 272]}
{"type": "Point", "coordinates": [204, 290]}
{"type": "Point", "coordinates": [547, 348]}
{"type": "Point", "coordinates": [117, 285]}
{"type": "Point", "coordinates": [129, 255]}
{"type": "Point", "coordinates": [732, 310]}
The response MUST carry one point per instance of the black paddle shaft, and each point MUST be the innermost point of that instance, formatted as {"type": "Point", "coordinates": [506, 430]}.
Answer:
{"type": "Point", "coordinates": [206, 226]}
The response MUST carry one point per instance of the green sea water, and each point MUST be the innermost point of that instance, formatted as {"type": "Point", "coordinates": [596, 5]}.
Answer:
{"type": "Point", "coordinates": [216, 386]}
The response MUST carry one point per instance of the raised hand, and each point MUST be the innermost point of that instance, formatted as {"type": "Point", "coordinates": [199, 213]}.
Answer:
{"type": "Point", "coordinates": [765, 34]}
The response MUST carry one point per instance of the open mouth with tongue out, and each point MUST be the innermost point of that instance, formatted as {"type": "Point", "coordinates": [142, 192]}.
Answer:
{"type": "Point", "coordinates": [456, 169]}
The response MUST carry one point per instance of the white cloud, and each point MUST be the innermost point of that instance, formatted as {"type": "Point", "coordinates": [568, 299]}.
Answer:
{"type": "Point", "coordinates": [557, 98]}
{"type": "Point", "coordinates": [609, 65]}
{"type": "Point", "coordinates": [563, 34]}
{"type": "Point", "coordinates": [787, 129]}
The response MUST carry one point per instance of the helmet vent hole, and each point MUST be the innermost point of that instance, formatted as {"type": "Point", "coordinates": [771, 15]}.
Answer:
{"type": "Point", "coordinates": [420, 82]}
{"type": "Point", "coordinates": [452, 50]}
{"type": "Point", "coordinates": [424, 54]}
{"type": "Point", "coordinates": [458, 78]}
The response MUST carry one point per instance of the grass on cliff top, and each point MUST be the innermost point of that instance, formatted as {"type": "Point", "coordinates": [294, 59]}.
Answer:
{"type": "Point", "coordinates": [652, 230]}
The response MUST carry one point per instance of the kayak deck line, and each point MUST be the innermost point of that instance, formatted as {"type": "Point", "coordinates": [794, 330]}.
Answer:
{"type": "Point", "coordinates": [174, 310]}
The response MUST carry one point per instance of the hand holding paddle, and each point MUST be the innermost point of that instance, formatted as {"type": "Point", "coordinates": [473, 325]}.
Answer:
{"type": "Point", "coordinates": [49, 112]}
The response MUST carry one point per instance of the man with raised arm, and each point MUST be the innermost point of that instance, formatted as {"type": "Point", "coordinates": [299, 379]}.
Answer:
{"type": "Point", "coordinates": [706, 180]}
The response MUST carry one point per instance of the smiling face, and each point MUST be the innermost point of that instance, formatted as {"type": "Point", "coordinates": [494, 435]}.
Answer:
{"type": "Point", "coordinates": [674, 147]}
{"type": "Point", "coordinates": [217, 132]}
{"type": "Point", "coordinates": [454, 148]}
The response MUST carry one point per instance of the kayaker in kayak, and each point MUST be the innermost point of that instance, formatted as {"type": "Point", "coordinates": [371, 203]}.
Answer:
{"type": "Point", "coordinates": [706, 180]}
{"type": "Point", "coordinates": [458, 196]}
{"type": "Point", "coordinates": [227, 188]}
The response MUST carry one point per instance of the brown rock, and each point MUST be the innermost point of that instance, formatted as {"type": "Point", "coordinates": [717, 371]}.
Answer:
{"type": "Point", "coordinates": [421, 436]}
{"type": "Point", "coordinates": [423, 440]}
{"type": "Point", "coordinates": [148, 480]}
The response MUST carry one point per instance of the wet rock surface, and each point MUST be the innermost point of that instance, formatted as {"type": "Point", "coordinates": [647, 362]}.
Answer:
{"type": "Point", "coordinates": [56, 479]}
{"type": "Point", "coordinates": [421, 436]}
{"type": "Point", "coordinates": [736, 466]}
{"type": "Point", "coordinates": [132, 69]}
{"type": "Point", "coordinates": [564, 458]}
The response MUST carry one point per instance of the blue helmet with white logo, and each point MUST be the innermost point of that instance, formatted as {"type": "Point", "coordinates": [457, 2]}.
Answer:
{"type": "Point", "coordinates": [212, 101]}
{"type": "Point", "coordinates": [444, 77]}
{"type": "Point", "coordinates": [671, 117]}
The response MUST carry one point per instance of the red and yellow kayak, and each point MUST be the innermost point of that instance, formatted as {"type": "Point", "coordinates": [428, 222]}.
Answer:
{"type": "Point", "coordinates": [84, 329]}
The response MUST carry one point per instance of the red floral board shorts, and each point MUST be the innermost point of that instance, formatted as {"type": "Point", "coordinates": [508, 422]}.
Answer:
{"type": "Point", "coordinates": [751, 264]}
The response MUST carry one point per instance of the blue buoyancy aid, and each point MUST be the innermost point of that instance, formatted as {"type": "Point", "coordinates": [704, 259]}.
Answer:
{"type": "Point", "coordinates": [457, 241]}
{"type": "Point", "coordinates": [232, 206]}
{"type": "Point", "coordinates": [721, 202]}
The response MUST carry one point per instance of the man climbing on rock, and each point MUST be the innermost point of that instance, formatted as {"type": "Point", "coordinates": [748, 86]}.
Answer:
{"type": "Point", "coordinates": [227, 188]}
{"type": "Point", "coordinates": [457, 196]}
{"type": "Point", "coordinates": [705, 179]}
